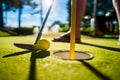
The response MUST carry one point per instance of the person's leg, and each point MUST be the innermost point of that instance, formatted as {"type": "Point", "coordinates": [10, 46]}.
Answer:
{"type": "Point", "coordinates": [116, 4]}
{"type": "Point", "coordinates": [81, 6]}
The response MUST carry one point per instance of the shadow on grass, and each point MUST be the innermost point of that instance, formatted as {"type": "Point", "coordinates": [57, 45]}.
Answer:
{"type": "Point", "coordinates": [34, 56]}
{"type": "Point", "coordinates": [96, 72]}
{"type": "Point", "coordinates": [104, 47]}
{"type": "Point", "coordinates": [16, 53]}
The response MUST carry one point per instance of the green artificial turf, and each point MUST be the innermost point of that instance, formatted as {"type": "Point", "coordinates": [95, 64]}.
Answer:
{"type": "Point", "coordinates": [21, 64]}
{"type": "Point", "coordinates": [2, 34]}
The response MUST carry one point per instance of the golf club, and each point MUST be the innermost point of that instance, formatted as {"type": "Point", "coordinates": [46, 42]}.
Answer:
{"type": "Point", "coordinates": [30, 46]}
{"type": "Point", "coordinates": [41, 29]}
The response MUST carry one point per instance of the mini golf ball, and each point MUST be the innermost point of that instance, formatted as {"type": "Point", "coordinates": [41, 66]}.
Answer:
{"type": "Point", "coordinates": [42, 44]}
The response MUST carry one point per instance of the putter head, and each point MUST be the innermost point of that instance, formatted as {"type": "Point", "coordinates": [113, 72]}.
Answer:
{"type": "Point", "coordinates": [24, 46]}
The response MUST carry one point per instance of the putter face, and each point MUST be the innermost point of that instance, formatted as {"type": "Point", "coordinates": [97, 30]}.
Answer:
{"type": "Point", "coordinates": [24, 46]}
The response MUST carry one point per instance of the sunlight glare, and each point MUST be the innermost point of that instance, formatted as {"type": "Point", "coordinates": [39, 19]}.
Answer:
{"type": "Point", "coordinates": [47, 3]}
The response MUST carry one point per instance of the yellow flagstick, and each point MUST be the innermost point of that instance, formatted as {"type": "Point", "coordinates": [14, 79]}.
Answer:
{"type": "Point", "coordinates": [73, 27]}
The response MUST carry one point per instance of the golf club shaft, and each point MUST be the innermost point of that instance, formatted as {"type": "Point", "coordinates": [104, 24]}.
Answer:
{"type": "Point", "coordinates": [41, 29]}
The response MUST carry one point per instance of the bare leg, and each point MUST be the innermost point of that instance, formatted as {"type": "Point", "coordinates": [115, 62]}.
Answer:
{"type": "Point", "coordinates": [81, 6]}
{"type": "Point", "coordinates": [116, 4]}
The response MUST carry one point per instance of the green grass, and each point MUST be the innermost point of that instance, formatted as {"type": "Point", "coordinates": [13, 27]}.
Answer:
{"type": "Point", "coordinates": [20, 64]}
{"type": "Point", "coordinates": [2, 34]}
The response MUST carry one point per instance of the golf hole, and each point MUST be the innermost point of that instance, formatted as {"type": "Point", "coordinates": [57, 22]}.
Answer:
{"type": "Point", "coordinates": [77, 55]}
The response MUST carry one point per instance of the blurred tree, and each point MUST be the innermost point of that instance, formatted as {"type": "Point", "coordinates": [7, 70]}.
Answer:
{"type": "Point", "coordinates": [19, 4]}
{"type": "Point", "coordinates": [40, 11]}
{"type": "Point", "coordinates": [100, 9]}
{"type": "Point", "coordinates": [13, 5]}
{"type": "Point", "coordinates": [5, 5]}
{"type": "Point", "coordinates": [102, 6]}
{"type": "Point", "coordinates": [56, 22]}
{"type": "Point", "coordinates": [69, 11]}
{"type": "Point", "coordinates": [1, 14]}
{"type": "Point", "coordinates": [97, 10]}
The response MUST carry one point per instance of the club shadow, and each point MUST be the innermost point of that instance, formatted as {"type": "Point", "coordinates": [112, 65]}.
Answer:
{"type": "Point", "coordinates": [34, 56]}
{"type": "Point", "coordinates": [17, 53]}
{"type": "Point", "coordinates": [104, 47]}
{"type": "Point", "coordinates": [95, 71]}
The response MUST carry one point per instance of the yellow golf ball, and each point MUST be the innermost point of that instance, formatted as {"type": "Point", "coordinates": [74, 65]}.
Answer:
{"type": "Point", "coordinates": [42, 44]}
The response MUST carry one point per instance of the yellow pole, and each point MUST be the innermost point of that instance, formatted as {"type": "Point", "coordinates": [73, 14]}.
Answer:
{"type": "Point", "coordinates": [73, 27]}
